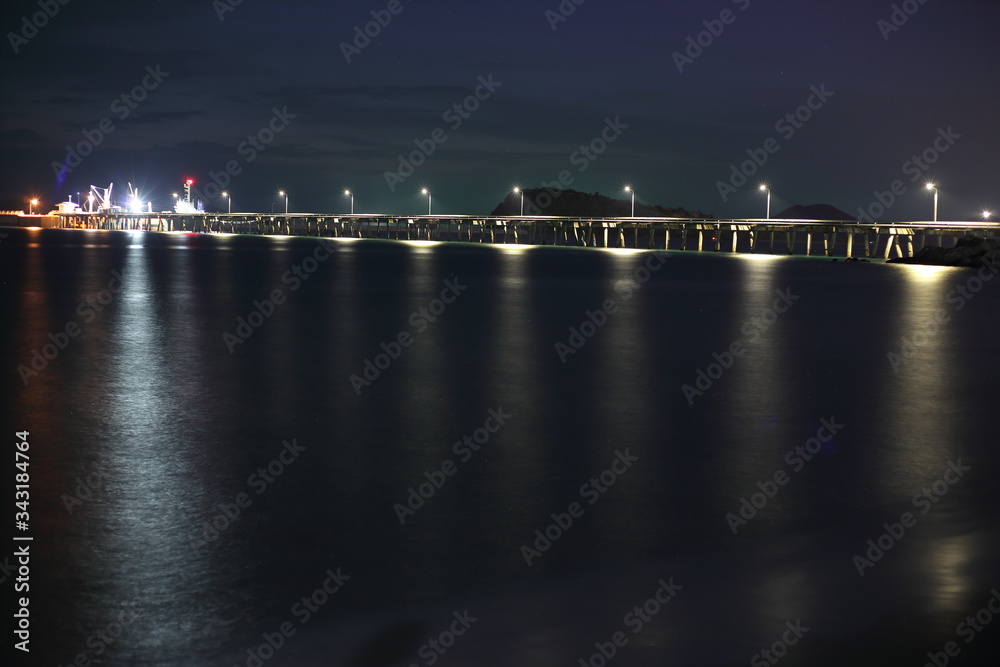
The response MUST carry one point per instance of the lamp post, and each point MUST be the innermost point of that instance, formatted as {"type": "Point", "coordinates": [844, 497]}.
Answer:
{"type": "Point", "coordinates": [521, 192]}
{"type": "Point", "coordinates": [228, 199]}
{"type": "Point", "coordinates": [351, 195]}
{"type": "Point", "coordinates": [282, 193]}
{"type": "Point", "coordinates": [931, 186]}
{"type": "Point", "coordinates": [31, 206]}
{"type": "Point", "coordinates": [764, 188]}
{"type": "Point", "coordinates": [629, 189]}
{"type": "Point", "coordinates": [427, 192]}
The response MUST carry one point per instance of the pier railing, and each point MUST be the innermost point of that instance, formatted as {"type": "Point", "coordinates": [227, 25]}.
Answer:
{"type": "Point", "coordinates": [849, 238]}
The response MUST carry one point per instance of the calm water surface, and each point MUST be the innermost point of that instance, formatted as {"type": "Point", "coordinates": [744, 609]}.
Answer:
{"type": "Point", "coordinates": [162, 416]}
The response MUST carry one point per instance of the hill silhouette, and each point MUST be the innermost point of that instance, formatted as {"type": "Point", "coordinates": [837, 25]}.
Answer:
{"type": "Point", "coordinates": [546, 201]}
{"type": "Point", "coordinates": [814, 212]}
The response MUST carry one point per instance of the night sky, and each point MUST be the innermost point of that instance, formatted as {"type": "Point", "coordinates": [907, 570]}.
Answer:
{"type": "Point", "coordinates": [212, 74]}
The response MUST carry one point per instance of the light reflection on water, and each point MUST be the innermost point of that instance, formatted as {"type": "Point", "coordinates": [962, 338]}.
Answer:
{"type": "Point", "coordinates": [151, 391]}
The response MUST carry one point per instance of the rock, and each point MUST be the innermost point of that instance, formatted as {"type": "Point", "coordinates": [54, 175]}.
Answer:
{"type": "Point", "coordinates": [969, 251]}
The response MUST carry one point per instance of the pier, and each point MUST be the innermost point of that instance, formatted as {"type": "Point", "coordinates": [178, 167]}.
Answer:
{"type": "Point", "coordinates": [847, 239]}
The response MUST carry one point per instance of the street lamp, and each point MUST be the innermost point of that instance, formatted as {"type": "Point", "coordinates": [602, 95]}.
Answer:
{"type": "Point", "coordinates": [987, 215]}
{"type": "Point", "coordinates": [521, 192]}
{"type": "Point", "coordinates": [229, 199]}
{"type": "Point", "coordinates": [31, 206]}
{"type": "Point", "coordinates": [629, 189]}
{"type": "Point", "coordinates": [351, 195]}
{"type": "Point", "coordinates": [931, 186]}
{"type": "Point", "coordinates": [427, 192]}
{"type": "Point", "coordinates": [764, 188]}
{"type": "Point", "coordinates": [282, 193]}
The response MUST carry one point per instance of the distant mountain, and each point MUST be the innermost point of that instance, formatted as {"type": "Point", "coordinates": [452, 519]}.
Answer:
{"type": "Point", "coordinates": [814, 212]}
{"type": "Point", "coordinates": [543, 201]}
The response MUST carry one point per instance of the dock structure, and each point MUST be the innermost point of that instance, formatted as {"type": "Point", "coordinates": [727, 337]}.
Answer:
{"type": "Point", "coordinates": [848, 239]}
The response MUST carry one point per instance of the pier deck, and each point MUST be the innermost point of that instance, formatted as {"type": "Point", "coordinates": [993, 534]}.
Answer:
{"type": "Point", "coordinates": [849, 238]}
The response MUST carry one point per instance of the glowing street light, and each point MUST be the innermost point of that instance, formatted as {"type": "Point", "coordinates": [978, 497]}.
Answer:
{"type": "Point", "coordinates": [987, 215]}
{"type": "Point", "coordinates": [229, 199]}
{"type": "Point", "coordinates": [427, 192]}
{"type": "Point", "coordinates": [521, 192]}
{"type": "Point", "coordinates": [351, 195]}
{"type": "Point", "coordinates": [31, 206]}
{"type": "Point", "coordinates": [764, 188]}
{"type": "Point", "coordinates": [629, 189]}
{"type": "Point", "coordinates": [931, 186]}
{"type": "Point", "coordinates": [282, 193]}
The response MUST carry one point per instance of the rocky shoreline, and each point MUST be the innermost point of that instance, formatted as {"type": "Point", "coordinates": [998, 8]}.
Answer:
{"type": "Point", "coordinates": [970, 251]}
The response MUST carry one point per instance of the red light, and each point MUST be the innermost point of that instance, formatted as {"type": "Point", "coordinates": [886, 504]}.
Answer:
{"type": "Point", "coordinates": [190, 181]}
